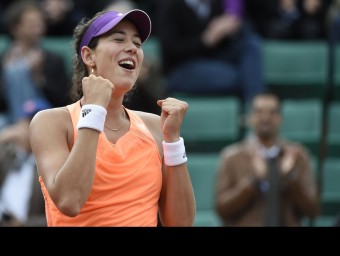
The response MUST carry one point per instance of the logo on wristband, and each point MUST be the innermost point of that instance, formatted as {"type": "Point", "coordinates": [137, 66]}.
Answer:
{"type": "Point", "coordinates": [84, 112]}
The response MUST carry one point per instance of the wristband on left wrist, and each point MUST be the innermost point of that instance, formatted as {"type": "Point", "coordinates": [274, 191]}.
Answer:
{"type": "Point", "coordinates": [174, 153]}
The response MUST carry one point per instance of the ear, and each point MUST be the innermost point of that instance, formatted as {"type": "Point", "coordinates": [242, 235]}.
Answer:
{"type": "Point", "coordinates": [88, 56]}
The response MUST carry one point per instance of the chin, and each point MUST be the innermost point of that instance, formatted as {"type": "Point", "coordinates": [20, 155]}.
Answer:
{"type": "Point", "coordinates": [125, 88]}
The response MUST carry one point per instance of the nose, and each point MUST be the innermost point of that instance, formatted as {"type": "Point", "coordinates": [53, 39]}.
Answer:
{"type": "Point", "coordinates": [131, 47]}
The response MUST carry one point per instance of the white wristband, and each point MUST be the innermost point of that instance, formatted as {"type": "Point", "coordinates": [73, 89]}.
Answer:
{"type": "Point", "coordinates": [174, 153]}
{"type": "Point", "coordinates": [92, 116]}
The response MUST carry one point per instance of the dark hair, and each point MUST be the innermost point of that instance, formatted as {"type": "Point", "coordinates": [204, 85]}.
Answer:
{"type": "Point", "coordinates": [271, 94]}
{"type": "Point", "coordinates": [79, 70]}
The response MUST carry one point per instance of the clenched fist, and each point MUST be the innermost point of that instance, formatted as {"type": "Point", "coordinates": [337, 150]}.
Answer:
{"type": "Point", "coordinates": [173, 112]}
{"type": "Point", "coordinates": [97, 90]}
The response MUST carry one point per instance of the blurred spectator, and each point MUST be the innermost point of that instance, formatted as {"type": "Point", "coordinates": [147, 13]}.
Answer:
{"type": "Point", "coordinates": [21, 199]}
{"type": "Point", "coordinates": [31, 78]}
{"type": "Point", "coordinates": [28, 70]}
{"type": "Point", "coordinates": [149, 85]}
{"type": "Point", "coordinates": [333, 20]}
{"type": "Point", "coordinates": [208, 48]}
{"type": "Point", "coordinates": [63, 15]}
{"type": "Point", "coordinates": [265, 180]}
{"type": "Point", "coordinates": [289, 19]}
{"type": "Point", "coordinates": [122, 6]}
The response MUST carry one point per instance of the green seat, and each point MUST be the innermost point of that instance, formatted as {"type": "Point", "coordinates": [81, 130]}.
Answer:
{"type": "Point", "coordinates": [314, 161]}
{"type": "Point", "coordinates": [151, 49]}
{"type": "Point", "coordinates": [211, 122]}
{"type": "Point", "coordinates": [302, 121]}
{"type": "Point", "coordinates": [296, 69]}
{"type": "Point", "coordinates": [203, 170]}
{"type": "Point", "coordinates": [324, 221]}
{"type": "Point", "coordinates": [334, 129]}
{"type": "Point", "coordinates": [330, 192]}
{"type": "Point", "coordinates": [3, 43]}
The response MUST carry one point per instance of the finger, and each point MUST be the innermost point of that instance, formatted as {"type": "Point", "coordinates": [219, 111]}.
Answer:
{"type": "Point", "coordinates": [160, 102]}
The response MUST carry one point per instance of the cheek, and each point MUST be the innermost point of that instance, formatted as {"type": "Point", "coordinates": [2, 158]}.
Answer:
{"type": "Point", "coordinates": [141, 65]}
{"type": "Point", "coordinates": [105, 59]}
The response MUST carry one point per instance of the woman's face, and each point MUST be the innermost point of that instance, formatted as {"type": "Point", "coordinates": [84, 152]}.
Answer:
{"type": "Point", "coordinates": [119, 55]}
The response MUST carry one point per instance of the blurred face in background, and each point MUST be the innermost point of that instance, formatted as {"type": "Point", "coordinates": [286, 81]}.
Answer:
{"type": "Point", "coordinates": [265, 117]}
{"type": "Point", "coordinates": [57, 10]}
{"type": "Point", "coordinates": [30, 28]}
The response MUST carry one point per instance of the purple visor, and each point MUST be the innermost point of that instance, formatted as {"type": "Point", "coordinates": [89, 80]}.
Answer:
{"type": "Point", "coordinates": [108, 20]}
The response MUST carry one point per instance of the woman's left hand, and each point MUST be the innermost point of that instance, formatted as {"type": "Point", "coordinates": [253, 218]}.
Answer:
{"type": "Point", "coordinates": [173, 112]}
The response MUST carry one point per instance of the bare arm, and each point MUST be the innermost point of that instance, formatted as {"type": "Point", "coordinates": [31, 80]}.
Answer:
{"type": "Point", "coordinates": [177, 203]}
{"type": "Point", "coordinates": [65, 171]}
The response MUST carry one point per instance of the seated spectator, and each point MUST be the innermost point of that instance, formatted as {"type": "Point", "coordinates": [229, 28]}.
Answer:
{"type": "Point", "coordinates": [63, 15]}
{"type": "Point", "coordinates": [333, 20]}
{"type": "Point", "coordinates": [208, 48]}
{"type": "Point", "coordinates": [27, 70]}
{"type": "Point", "coordinates": [265, 180]}
{"type": "Point", "coordinates": [289, 19]}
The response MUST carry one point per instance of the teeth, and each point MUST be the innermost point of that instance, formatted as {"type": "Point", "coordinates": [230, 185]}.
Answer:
{"type": "Point", "coordinates": [126, 62]}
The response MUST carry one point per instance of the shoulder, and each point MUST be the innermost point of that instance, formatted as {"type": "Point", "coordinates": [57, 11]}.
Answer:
{"type": "Point", "coordinates": [297, 147]}
{"type": "Point", "coordinates": [52, 112]}
{"type": "Point", "coordinates": [233, 150]}
{"type": "Point", "coordinates": [146, 116]}
{"type": "Point", "coordinates": [152, 122]}
{"type": "Point", "coordinates": [51, 117]}
{"type": "Point", "coordinates": [51, 124]}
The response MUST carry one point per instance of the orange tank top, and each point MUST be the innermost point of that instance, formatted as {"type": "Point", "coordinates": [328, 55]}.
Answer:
{"type": "Point", "coordinates": [127, 181]}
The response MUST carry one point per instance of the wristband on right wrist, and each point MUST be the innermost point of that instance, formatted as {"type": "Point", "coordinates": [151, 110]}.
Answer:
{"type": "Point", "coordinates": [92, 116]}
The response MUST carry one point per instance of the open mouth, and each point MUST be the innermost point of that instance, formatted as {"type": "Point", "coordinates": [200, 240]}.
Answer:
{"type": "Point", "coordinates": [127, 64]}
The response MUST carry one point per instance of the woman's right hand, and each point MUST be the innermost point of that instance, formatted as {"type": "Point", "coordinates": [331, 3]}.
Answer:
{"type": "Point", "coordinates": [97, 90]}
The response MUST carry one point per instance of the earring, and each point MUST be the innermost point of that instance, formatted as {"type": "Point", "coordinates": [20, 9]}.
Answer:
{"type": "Point", "coordinates": [92, 71]}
